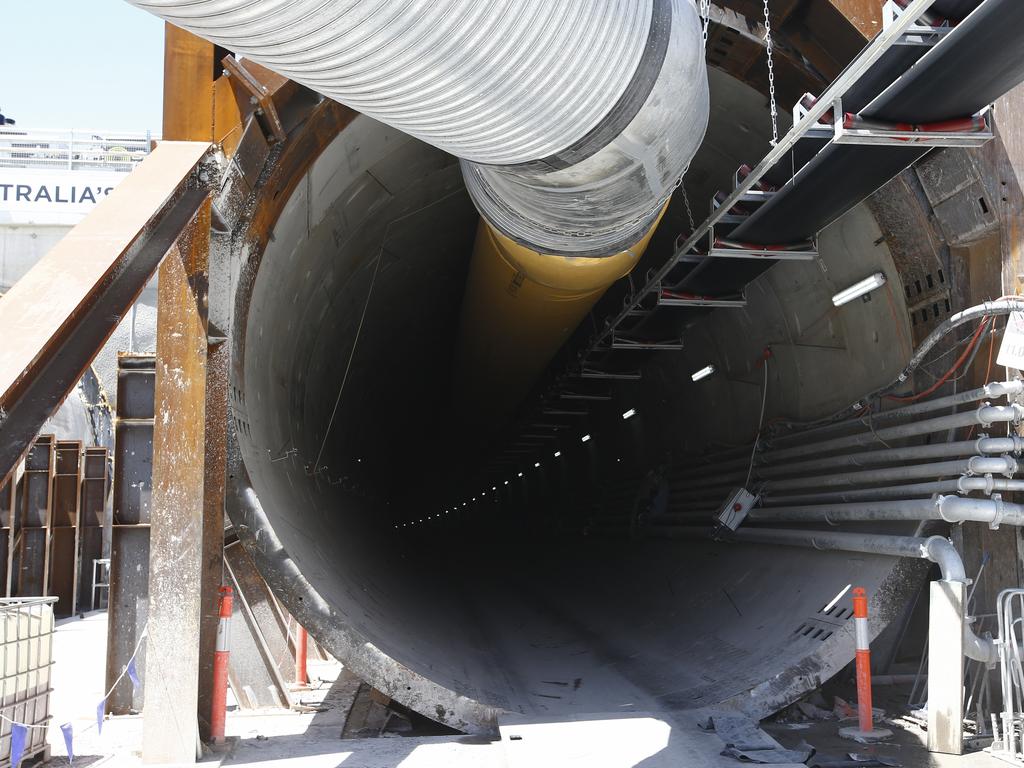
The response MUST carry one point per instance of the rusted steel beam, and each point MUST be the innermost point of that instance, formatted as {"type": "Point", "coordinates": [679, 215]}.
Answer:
{"type": "Point", "coordinates": [200, 104]}
{"type": "Point", "coordinates": [61, 313]}
{"type": "Point", "coordinates": [188, 86]}
{"type": "Point", "coordinates": [128, 599]}
{"type": "Point", "coordinates": [91, 520]}
{"type": "Point", "coordinates": [7, 508]}
{"type": "Point", "coordinates": [179, 528]}
{"type": "Point", "coordinates": [260, 93]}
{"type": "Point", "coordinates": [32, 520]}
{"type": "Point", "coordinates": [863, 15]}
{"type": "Point", "coordinates": [62, 547]}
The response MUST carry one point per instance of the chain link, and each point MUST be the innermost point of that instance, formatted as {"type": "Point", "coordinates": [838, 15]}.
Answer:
{"type": "Point", "coordinates": [689, 212]}
{"type": "Point", "coordinates": [705, 15]}
{"type": "Point", "coordinates": [771, 74]}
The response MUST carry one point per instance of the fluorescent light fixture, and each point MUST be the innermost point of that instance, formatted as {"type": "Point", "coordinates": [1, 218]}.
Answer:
{"type": "Point", "coordinates": [536, 464]}
{"type": "Point", "coordinates": [857, 290]}
{"type": "Point", "coordinates": [585, 438]}
{"type": "Point", "coordinates": [703, 373]}
{"type": "Point", "coordinates": [629, 414]}
{"type": "Point", "coordinates": [557, 454]}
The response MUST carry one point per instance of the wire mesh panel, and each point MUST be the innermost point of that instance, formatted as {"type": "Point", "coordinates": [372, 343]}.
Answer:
{"type": "Point", "coordinates": [26, 658]}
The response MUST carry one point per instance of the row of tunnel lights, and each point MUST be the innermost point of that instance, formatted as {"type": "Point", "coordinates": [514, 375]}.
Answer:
{"type": "Point", "coordinates": [626, 415]}
{"type": "Point", "coordinates": [843, 297]}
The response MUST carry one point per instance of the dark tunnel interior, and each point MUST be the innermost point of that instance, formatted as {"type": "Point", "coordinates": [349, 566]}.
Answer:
{"type": "Point", "coordinates": [517, 581]}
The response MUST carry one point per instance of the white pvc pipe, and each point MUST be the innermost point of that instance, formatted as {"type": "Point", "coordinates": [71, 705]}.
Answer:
{"type": "Point", "coordinates": [952, 509]}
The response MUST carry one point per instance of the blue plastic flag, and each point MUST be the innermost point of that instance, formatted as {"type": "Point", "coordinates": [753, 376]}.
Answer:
{"type": "Point", "coordinates": [133, 675]}
{"type": "Point", "coordinates": [99, 715]}
{"type": "Point", "coordinates": [18, 733]}
{"type": "Point", "coordinates": [68, 738]}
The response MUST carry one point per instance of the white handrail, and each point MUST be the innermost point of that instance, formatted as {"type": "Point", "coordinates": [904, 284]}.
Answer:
{"type": "Point", "coordinates": [73, 149]}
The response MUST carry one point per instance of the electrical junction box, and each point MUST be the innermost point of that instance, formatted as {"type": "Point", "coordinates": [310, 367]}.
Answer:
{"type": "Point", "coordinates": [734, 511]}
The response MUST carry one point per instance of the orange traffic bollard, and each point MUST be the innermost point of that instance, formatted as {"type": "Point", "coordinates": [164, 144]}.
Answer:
{"type": "Point", "coordinates": [218, 713]}
{"type": "Point", "coordinates": [301, 642]}
{"type": "Point", "coordinates": [860, 619]}
{"type": "Point", "coordinates": [865, 730]}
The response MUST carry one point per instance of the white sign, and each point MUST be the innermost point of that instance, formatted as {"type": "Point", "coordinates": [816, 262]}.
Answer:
{"type": "Point", "coordinates": [1011, 349]}
{"type": "Point", "coordinates": [43, 196]}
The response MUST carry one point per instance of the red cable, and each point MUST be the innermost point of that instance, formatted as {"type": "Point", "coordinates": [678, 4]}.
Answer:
{"type": "Point", "coordinates": [960, 361]}
{"type": "Point", "coordinates": [988, 369]}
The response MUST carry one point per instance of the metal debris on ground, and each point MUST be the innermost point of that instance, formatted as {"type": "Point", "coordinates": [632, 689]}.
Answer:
{"type": "Point", "coordinates": [864, 759]}
{"type": "Point", "coordinates": [745, 741]}
{"type": "Point", "coordinates": [854, 760]}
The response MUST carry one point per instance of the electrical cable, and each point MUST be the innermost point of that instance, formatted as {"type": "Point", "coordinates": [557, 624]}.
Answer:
{"type": "Point", "coordinates": [760, 423]}
{"type": "Point", "coordinates": [352, 353]}
{"type": "Point", "coordinates": [953, 369]}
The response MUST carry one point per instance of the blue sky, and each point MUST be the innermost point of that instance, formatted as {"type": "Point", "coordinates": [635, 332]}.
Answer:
{"type": "Point", "coordinates": [81, 64]}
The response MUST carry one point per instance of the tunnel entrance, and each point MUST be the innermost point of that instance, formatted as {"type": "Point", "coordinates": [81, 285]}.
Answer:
{"type": "Point", "coordinates": [464, 586]}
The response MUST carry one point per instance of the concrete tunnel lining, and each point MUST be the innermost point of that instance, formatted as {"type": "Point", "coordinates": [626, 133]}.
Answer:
{"type": "Point", "coordinates": [464, 625]}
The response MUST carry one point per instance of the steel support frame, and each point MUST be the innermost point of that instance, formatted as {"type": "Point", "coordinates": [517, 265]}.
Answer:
{"type": "Point", "coordinates": [64, 529]}
{"type": "Point", "coordinates": [99, 283]}
{"type": "Point", "coordinates": [128, 593]}
{"type": "Point", "coordinates": [859, 67]}
{"type": "Point", "coordinates": [190, 429]}
{"type": "Point", "coordinates": [179, 527]}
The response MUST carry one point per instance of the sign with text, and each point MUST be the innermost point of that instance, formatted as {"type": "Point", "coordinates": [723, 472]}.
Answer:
{"type": "Point", "coordinates": [43, 196]}
{"type": "Point", "coordinates": [1011, 349]}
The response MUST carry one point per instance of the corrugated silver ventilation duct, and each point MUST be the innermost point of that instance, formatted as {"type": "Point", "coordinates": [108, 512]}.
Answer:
{"type": "Point", "coordinates": [575, 119]}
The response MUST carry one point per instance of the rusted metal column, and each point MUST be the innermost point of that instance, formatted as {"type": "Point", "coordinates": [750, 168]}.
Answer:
{"type": "Point", "coordinates": [32, 520]}
{"type": "Point", "coordinates": [212, 576]}
{"type": "Point", "coordinates": [7, 509]}
{"type": "Point", "coordinates": [128, 599]}
{"type": "Point", "coordinates": [199, 105]}
{"type": "Point", "coordinates": [178, 523]}
{"type": "Point", "coordinates": [63, 530]}
{"type": "Point", "coordinates": [95, 481]}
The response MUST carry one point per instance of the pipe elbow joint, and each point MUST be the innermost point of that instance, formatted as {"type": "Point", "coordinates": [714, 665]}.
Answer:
{"type": "Point", "coordinates": [983, 649]}
{"type": "Point", "coordinates": [1004, 388]}
{"type": "Point", "coordinates": [942, 552]}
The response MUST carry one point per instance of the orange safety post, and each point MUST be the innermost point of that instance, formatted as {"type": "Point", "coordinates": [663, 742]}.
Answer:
{"type": "Point", "coordinates": [301, 642]}
{"type": "Point", "coordinates": [219, 705]}
{"type": "Point", "coordinates": [865, 730]}
{"type": "Point", "coordinates": [860, 619]}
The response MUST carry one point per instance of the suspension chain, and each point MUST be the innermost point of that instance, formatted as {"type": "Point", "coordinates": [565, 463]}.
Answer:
{"type": "Point", "coordinates": [686, 203]}
{"type": "Point", "coordinates": [705, 15]}
{"type": "Point", "coordinates": [771, 74]}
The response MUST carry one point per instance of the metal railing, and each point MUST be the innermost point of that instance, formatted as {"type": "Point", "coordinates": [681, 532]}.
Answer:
{"type": "Point", "coordinates": [1009, 742]}
{"type": "Point", "coordinates": [73, 149]}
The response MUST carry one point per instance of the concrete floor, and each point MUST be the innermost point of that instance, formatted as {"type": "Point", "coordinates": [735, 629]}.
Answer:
{"type": "Point", "coordinates": [272, 738]}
